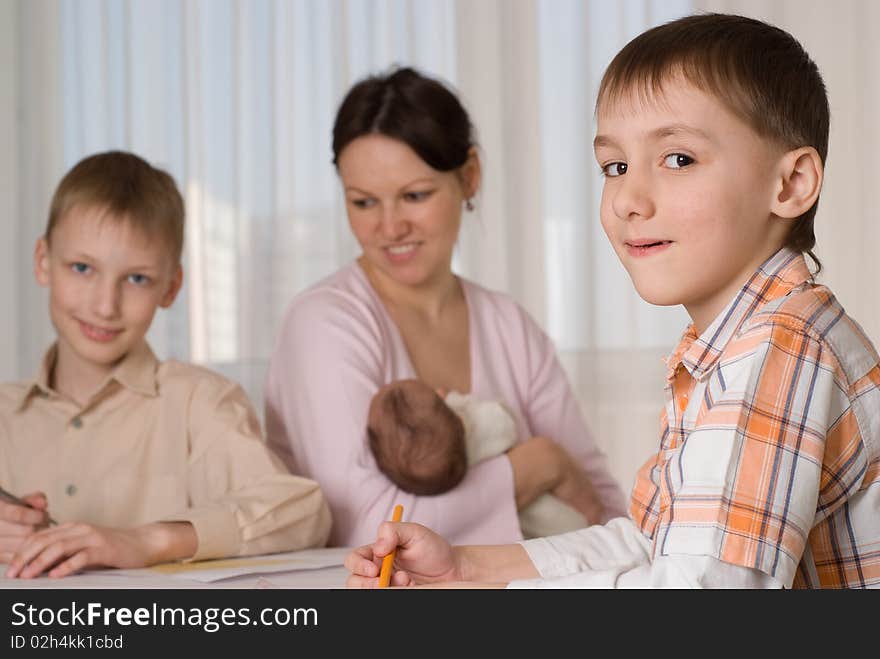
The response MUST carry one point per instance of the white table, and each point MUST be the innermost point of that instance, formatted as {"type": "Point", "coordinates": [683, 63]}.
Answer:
{"type": "Point", "coordinates": [326, 577]}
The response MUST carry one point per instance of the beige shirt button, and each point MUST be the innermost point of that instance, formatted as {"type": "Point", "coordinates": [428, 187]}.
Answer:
{"type": "Point", "coordinates": [76, 422]}
{"type": "Point", "coordinates": [70, 489]}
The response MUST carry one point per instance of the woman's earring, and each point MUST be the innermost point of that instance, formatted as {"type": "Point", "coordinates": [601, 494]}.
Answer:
{"type": "Point", "coordinates": [469, 205]}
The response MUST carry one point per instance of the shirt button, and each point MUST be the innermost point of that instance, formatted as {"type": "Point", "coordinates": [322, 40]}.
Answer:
{"type": "Point", "coordinates": [76, 422]}
{"type": "Point", "coordinates": [70, 489]}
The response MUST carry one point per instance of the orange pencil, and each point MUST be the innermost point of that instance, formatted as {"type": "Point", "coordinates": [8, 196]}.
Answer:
{"type": "Point", "coordinates": [388, 561]}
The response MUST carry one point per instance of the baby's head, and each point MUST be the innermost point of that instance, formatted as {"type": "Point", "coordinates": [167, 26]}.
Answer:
{"type": "Point", "coordinates": [712, 132]}
{"type": "Point", "coordinates": [417, 440]}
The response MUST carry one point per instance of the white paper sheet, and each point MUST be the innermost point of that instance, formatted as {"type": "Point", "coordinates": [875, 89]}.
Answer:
{"type": "Point", "coordinates": [215, 570]}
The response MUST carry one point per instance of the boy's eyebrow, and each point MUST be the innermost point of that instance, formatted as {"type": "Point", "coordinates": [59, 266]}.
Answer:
{"type": "Point", "coordinates": [603, 140]}
{"type": "Point", "coordinates": [143, 268]}
{"type": "Point", "coordinates": [146, 267]}
{"type": "Point", "coordinates": [658, 134]}
{"type": "Point", "coordinates": [678, 129]}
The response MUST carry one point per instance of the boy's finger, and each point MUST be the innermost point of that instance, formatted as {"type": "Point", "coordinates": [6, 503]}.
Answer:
{"type": "Point", "coordinates": [401, 578]}
{"type": "Point", "coordinates": [17, 531]}
{"type": "Point", "coordinates": [48, 555]}
{"type": "Point", "coordinates": [395, 534]}
{"type": "Point", "coordinates": [386, 539]}
{"type": "Point", "coordinates": [357, 581]}
{"type": "Point", "coordinates": [360, 562]}
{"type": "Point", "coordinates": [12, 512]}
{"type": "Point", "coordinates": [73, 564]}
{"type": "Point", "coordinates": [37, 500]}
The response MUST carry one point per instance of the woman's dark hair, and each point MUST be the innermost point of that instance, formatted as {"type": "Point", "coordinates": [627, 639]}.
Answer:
{"type": "Point", "coordinates": [405, 105]}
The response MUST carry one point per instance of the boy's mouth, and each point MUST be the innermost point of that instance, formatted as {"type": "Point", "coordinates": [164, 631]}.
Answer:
{"type": "Point", "coordinates": [646, 247]}
{"type": "Point", "coordinates": [98, 333]}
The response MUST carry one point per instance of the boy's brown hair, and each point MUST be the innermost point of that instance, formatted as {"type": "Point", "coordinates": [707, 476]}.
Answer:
{"type": "Point", "coordinates": [758, 71]}
{"type": "Point", "coordinates": [127, 188]}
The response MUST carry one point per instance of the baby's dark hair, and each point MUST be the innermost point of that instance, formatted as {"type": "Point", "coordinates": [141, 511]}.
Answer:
{"type": "Point", "coordinates": [421, 450]}
{"type": "Point", "coordinates": [411, 107]}
{"type": "Point", "coordinates": [759, 72]}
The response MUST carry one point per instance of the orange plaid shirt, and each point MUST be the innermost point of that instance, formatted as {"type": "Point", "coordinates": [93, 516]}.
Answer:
{"type": "Point", "coordinates": [770, 444]}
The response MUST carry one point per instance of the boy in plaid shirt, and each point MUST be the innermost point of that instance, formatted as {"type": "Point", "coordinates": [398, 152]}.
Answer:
{"type": "Point", "coordinates": [712, 137]}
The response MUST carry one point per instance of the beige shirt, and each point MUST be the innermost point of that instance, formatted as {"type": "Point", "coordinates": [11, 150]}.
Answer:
{"type": "Point", "coordinates": [158, 442]}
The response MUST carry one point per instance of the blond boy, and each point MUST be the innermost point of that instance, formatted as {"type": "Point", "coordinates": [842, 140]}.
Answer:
{"type": "Point", "coordinates": [140, 461]}
{"type": "Point", "coordinates": [712, 135]}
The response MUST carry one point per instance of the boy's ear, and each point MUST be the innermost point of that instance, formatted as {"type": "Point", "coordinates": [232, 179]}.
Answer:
{"type": "Point", "coordinates": [470, 173]}
{"type": "Point", "coordinates": [799, 183]}
{"type": "Point", "coordinates": [41, 262]}
{"type": "Point", "coordinates": [173, 288]}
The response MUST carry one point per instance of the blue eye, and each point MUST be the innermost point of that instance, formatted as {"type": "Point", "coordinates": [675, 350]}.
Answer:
{"type": "Point", "coordinates": [140, 280]}
{"type": "Point", "coordinates": [677, 161]}
{"type": "Point", "coordinates": [80, 268]}
{"type": "Point", "coordinates": [363, 204]}
{"type": "Point", "coordinates": [614, 169]}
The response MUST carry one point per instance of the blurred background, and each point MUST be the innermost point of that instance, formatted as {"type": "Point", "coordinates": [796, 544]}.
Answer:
{"type": "Point", "coordinates": [236, 100]}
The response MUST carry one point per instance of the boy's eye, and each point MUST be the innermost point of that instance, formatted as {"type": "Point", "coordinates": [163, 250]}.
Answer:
{"type": "Point", "coordinates": [419, 195]}
{"type": "Point", "coordinates": [140, 280]}
{"type": "Point", "coordinates": [677, 161]}
{"type": "Point", "coordinates": [80, 268]}
{"type": "Point", "coordinates": [613, 169]}
{"type": "Point", "coordinates": [362, 203]}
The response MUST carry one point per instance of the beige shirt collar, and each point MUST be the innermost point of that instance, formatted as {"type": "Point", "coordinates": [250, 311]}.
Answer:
{"type": "Point", "coordinates": [136, 372]}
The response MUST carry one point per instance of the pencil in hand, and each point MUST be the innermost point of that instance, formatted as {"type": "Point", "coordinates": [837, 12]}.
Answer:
{"type": "Point", "coordinates": [388, 561]}
{"type": "Point", "coordinates": [11, 498]}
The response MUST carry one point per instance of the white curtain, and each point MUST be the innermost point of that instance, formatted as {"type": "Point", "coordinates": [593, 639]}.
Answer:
{"type": "Point", "coordinates": [236, 99]}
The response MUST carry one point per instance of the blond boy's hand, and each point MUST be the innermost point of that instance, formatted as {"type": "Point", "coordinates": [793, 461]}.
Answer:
{"type": "Point", "coordinates": [74, 546]}
{"type": "Point", "coordinates": [17, 523]}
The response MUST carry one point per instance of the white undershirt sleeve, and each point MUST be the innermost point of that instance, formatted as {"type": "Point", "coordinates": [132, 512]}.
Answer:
{"type": "Point", "coordinates": [617, 555]}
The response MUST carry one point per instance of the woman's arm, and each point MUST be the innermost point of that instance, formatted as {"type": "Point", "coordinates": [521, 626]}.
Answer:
{"type": "Point", "coordinates": [552, 411]}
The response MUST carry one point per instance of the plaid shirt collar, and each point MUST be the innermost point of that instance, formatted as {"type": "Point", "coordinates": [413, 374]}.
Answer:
{"type": "Point", "coordinates": [777, 276]}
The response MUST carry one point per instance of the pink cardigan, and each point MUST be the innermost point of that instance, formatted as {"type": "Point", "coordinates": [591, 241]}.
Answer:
{"type": "Point", "coordinates": [337, 346]}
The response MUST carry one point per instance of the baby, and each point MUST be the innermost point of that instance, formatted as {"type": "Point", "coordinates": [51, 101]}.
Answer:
{"type": "Point", "coordinates": [425, 443]}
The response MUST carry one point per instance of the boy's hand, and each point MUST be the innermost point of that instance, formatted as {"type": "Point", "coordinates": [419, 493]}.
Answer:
{"type": "Point", "coordinates": [75, 546]}
{"type": "Point", "coordinates": [17, 523]}
{"type": "Point", "coordinates": [422, 557]}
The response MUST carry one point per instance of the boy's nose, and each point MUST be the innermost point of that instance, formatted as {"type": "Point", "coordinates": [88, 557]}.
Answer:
{"type": "Point", "coordinates": [106, 299]}
{"type": "Point", "coordinates": [633, 197]}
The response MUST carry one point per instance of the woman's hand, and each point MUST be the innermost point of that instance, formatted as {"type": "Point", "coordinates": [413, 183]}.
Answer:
{"type": "Point", "coordinates": [422, 557]}
{"type": "Point", "coordinates": [75, 546]}
{"type": "Point", "coordinates": [576, 490]}
{"type": "Point", "coordinates": [541, 465]}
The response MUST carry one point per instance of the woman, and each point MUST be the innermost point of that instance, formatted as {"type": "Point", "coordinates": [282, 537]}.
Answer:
{"type": "Point", "coordinates": [404, 151]}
